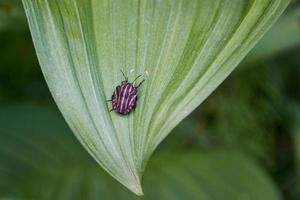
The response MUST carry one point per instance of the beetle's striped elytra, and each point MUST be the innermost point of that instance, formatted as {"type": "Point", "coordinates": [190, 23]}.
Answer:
{"type": "Point", "coordinates": [125, 96]}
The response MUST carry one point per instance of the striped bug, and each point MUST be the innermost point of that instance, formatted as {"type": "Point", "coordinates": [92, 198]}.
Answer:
{"type": "Point", "coordinates": [125, 96]}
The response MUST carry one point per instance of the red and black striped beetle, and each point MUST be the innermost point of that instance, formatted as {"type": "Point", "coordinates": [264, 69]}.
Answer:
{"type": "Point", "coordinates": [125, 96]}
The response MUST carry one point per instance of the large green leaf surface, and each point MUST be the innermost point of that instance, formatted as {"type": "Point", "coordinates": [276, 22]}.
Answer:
{"type": "Point", "coordinates": [40, 159]}
{"type": "Point", "coordinates": [284, 35]}
{"type": "Point", "coordinates": [184, 50]}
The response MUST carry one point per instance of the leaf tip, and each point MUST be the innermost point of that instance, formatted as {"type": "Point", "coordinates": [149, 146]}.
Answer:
{"type": "Point", "coordinates": [134, 185]}
{"type": "Point", "coordinates": [140, 193]}
{"type": "Point", "coordinates": [137, 188]}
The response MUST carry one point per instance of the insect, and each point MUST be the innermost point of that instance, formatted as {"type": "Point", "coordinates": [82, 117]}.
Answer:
{"type": "Point", "coordinates": [125, 96]}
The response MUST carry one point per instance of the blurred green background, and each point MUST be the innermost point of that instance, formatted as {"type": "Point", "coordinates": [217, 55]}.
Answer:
{"type": "Point", "coordinates": [242, 143]}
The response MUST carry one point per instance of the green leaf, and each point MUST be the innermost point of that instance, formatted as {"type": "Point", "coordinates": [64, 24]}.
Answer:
{"type": "Point", "coordinates": [48, 163]}
{"type": "Point", "coordinates": [282, 36]}
{"type": "Point", "coordinates": [187, 48]}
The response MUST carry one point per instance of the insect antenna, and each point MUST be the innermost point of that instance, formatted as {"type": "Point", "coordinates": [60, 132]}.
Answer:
{"type": "Point", "coordinates": [126, 78]}
{"type": "Point", "coordinates": [140, 83]}
{"type": "Point", "coordinates": [136, 78]}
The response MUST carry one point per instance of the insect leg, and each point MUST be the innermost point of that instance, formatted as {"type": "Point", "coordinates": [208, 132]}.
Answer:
{"type": "Point", "coordinates": [111, 110]}
{"type": "Point", "coordinates": [134, 106]}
